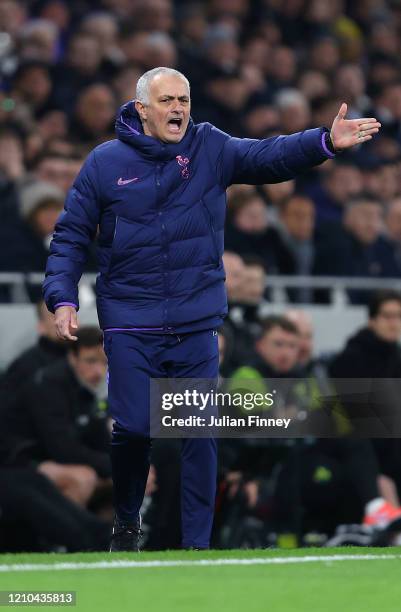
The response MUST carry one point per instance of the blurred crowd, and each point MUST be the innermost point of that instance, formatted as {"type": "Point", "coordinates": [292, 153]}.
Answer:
{"type": "Point", "coordinates": [55, 469]}
{"type": "Point", "coordinates": [257, 68]}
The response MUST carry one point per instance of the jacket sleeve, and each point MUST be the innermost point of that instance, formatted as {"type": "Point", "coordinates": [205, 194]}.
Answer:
{"type": "Point", "coordinates": [272, 160]}
{"type": "Point", "coordinates": [75, 229]}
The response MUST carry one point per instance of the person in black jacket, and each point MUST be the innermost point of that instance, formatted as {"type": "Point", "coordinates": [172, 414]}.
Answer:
{"type": "Point", "coordinates": [60, 425]}
{"type": "Point", "coordinates": [374, 353]}
{"type": "Point", "coordinates": [47, 350]}
{"type": "Point", "coordinates": [356, 248]}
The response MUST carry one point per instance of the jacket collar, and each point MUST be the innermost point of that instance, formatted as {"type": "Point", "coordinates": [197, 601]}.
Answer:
{"type": "Point", "coordinates": [129, 129]}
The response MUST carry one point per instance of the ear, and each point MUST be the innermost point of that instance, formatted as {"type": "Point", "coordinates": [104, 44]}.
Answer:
{"type": "Point", "coordinates": [141, 109]}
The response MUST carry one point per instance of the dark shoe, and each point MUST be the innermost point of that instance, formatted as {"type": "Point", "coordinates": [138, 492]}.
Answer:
{"type": "Point", "coordinates": [125, 536]}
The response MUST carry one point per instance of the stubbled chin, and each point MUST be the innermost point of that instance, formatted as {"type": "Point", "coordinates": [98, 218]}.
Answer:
{"type": "Point", "coordinates": [173, 137]}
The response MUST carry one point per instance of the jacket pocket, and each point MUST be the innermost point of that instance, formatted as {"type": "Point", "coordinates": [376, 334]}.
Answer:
{"type": "Point", "coordinates": [212, 232]}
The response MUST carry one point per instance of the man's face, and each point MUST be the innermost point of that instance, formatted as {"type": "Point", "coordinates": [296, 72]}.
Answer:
{"type": "Point", "coordinates": [387, 323]}
{"type": "Point", "coordinates": [89, 365]}
{"type": "Point", "coordinates": [54, 170]}
{"type": "Point", "coordinates": [279, 349]}
{"type": "Point", "coordinates": [253, 283]}
{"type": "Point", "coordinates": [252, 218]}
{"type": "Point", "coordinates": [364, 221]}
{"type": "Point", "coordinates": [166, 116]}
{"type": "Point", "coordinates": [299, 218]}
{"type": "Point", "coordinates": [393, 220]}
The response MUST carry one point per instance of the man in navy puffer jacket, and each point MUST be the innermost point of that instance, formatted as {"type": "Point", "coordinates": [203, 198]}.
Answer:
{"type": "Point", "coordinates": [157, 194]}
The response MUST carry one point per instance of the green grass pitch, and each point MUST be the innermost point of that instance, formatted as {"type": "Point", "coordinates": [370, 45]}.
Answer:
{"type": "Point", "coordinates": [308, 580]}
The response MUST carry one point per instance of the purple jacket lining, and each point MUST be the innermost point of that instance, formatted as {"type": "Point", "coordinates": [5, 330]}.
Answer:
{"type": "Point", "coordinates": [133, 329]}
{"type": "Point", "coordinates": [64, 304]}
{"type": "Point", "coordinates": [325, 149]}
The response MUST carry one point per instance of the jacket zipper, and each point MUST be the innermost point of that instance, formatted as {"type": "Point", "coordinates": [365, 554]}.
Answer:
{"type": "Point", "coordinates": [166, 326]}
{"type": "Point", "coordinates": [112, 245]}
{"type": "Point", "coordinates": [212, 232]}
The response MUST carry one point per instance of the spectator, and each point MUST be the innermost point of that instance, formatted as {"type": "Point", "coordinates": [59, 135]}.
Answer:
{"type": "Point", "coordinates": [58, 168]}
{"type": "Point", "coordinates": [340, 183]}
{"type": "Point", "coordinates": [30, 499]}
{"type": "Point", "coordinates": [25, 245]}
{"type": "Point", "coordinates": [240, 279]}
{"type": "Point", "coordinates": [357, 248]}
{"type": "Point", "coordinates": [349, 464]}
{"type": "Point", "coordinates": [374, 353]}
{"type": "Point", "coordinates": [81, 67]}
{"type": "Point", "coordinates": [46, 351]}
{"type": "Point", "coordinates": [249, 232]}
{"type": "Point", "coordinates": [294, 111]}
{"type": "Point", "coordinates": [32, 85]}
{"type": "Point", "coordinates": [94, 115]}
{"type": "Point", "coordinates": [297, 225]}
{"type": "Point", "coordinates": [60, 426]}
{"type": "Point", "coordinates": [393, 226]}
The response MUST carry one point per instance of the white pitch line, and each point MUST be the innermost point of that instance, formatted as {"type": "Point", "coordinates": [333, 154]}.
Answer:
{"type": "Point", "coordinates": [124, 563]}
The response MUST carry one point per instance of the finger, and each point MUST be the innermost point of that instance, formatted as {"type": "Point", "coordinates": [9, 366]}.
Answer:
{"type": "Point", "coordinates": [367, 120]}
{"type": "Point", "coordinates": [363, 139]}
{"type": "Point", "coordinates": [370, 131]}
{"type": "Point", "coordinates": [64, 330]}
{"type": "Point", "coordinates": [368, 126]}
{"type": "Point", "coordinates": [343, 110]}
{"type": "Point", "coordinates": [69, 337]}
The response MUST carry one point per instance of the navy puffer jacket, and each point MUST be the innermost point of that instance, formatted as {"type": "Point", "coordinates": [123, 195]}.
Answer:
{"type": "Point", "coordinates": [160, 209]}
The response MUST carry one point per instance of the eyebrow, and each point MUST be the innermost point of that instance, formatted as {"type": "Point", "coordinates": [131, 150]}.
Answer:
{"type": "Point", "coordinates": [185, 97]}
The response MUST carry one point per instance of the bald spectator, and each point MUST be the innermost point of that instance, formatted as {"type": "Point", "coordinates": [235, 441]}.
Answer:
{"type": "Point", "coordinates": [294, 111]}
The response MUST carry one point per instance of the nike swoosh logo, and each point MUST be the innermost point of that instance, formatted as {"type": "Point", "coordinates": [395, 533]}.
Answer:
{"type": "Point", "coordinates": [122, 181]}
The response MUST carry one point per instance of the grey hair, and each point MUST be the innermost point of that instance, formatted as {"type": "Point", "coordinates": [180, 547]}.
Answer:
{"type": "Point", "coordinates": [142, 87]}
{"type": "Point", "coordinates": [290, 97]}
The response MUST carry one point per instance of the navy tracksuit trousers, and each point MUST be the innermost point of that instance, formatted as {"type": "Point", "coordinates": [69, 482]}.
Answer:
{"type": "Point", "coordinates": [134, 358]}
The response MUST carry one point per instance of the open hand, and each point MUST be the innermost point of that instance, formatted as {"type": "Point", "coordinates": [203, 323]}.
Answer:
{"type": "Point", "coordinates": [346, 133]}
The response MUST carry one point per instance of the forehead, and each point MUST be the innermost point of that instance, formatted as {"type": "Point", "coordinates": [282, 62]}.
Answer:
{"type": "Point", "coordinates": [89, 351]}
{"type": "Point", "coordinates": [168, 84]}
{"type": "Point", "coordinates": [279, 333]}
{"type": "Point", "coordinates": [390, 305]}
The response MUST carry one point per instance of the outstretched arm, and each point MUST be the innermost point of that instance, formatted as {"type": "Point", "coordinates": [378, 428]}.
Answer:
{"type": "Point", "coordinates": [281, 158]}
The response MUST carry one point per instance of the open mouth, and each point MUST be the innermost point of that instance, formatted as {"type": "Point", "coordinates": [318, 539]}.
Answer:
{"type": "Point", "coordinates": [174, 124]}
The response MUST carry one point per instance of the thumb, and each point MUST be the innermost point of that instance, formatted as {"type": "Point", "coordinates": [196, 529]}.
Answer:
{"type": "Point", "coordinates": [74, 319]}
{"type": "Point", "coordinates": [343, 110]}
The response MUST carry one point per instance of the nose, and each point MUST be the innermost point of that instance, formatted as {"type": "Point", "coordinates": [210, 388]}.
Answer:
{"type": "Point", "coordinates": [177, 106]}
